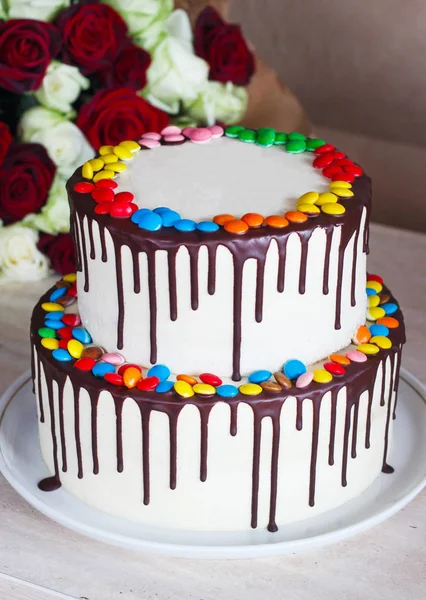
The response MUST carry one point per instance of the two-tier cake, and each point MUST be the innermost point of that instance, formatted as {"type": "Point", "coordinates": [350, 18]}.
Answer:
{"type": "Point", "coordinates": [228, 363]}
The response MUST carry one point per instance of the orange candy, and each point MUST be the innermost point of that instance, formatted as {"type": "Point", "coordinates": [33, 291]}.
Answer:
{"type": "Point", "coordinates": [188, 378]}
{"type": "Point", "coordinates": [236, 226]}
{"type": "Point", "coordinates": [362, 335]}
{"type": "Point", "coordinates": [295, 216]}
{"type": "Point", "coordinates": [390, 322]}
{"type": "Point", "coordinates": [339, 359]}
{"type": "Point", "coordinates": [131, 377]}
{"type": "Point", "coordinates": [253, 219]}
{"type": "Point", "coordinates": [222, 219]}
{"type": "Point", "coordinates": [276, 221]}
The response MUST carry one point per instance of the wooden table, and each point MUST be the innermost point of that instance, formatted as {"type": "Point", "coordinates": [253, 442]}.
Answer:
{"type": "Point", "coordinates": [386, 563]}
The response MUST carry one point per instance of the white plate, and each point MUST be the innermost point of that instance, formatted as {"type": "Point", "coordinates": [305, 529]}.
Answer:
{"type": "Point", "coordinates": [22, 465]}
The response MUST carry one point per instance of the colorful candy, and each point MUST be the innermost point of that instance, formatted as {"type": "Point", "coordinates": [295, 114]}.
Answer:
{"type": "Point", "coordinates": [293, 368]}
{"type": "Point", "coordinates": [259, 376]}
{"type": "Point", "coordinates": [250, 389]}
{"type": "Point", "coordinates": [227, 391]}
{"type": "Point", "coordinates": [160, 371]}
{"type": "Point", "coordinates": [183, 389]}
{"type": "Point", "coordinates": [204, 389]}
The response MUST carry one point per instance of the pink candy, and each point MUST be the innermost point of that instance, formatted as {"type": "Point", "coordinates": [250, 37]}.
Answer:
{"type": "Point", "coordinates": [176, 137]}
{"type": "Point", "coordinates": [216, 130]}
{"type": "Point", "coordinates": [304, 380]}
{"type": "Point", "coordinates": [356, 356]}
{"type": "Point", "coordinates": [113, 358]}
{"type": "Point", "coordinates": [171, 130]}
{"type": "Point", "coordinates": [151, 135]}
{"type": "Point", "coordinates": [149, 143]}
{"type": "Point", "coordinates": [200, 135]}
{"type": "Point", "coordinates": [188, 130]}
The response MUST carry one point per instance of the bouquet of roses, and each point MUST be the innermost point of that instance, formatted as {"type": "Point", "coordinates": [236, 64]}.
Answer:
{"type": "Point", "coordinates": [77, 75]}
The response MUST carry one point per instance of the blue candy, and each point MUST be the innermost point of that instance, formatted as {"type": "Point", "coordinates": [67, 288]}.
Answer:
{"type": "Point", "coordinates": [101, 369]}
{"type": "Point", "coordinates": [294, 368]}
{"type": "Point", "coordinates": [389, 308]}
{"type": "Point", "coordinates": [377, 329]}
{"type": "Point", "coordinates": [207, 226]}
{"type": "Point", "coordinates": [58, 293]}
{"type": "Point", "coordinates": [160, 371]}
{"type": "Point", "coordinates": [160, 210]}
{"type": "Point", "coordinates": [170, 217]}
{"type": "Point", "coordinates": [259, 376]}
{"type": "Point", "coordinates": [55, 315]}
{"type": "Point", "coordinates": [185, 225]}
{"type": "Point", "coordinates": [150, 221]}
{"type": "Point", "coordinates": [164, 386]}
{"type": "Point", "coordinates": [227, 391]}
{"type": "Point", "coordinates": [62, 355]}
{"type": "Point", "coordinates": [82, 335]}
{"type": "Point", "coordinates": [136, 216]}
{"type": "Point", "coordinates": [370, 292]}
{"type": "Point", "coordinates": [53, 324]}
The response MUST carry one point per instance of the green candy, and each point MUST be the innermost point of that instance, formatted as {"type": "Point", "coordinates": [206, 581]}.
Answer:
{"type": "Point", "coordinates": [295, 135]}
{"type": "Point", "coordinates": [265, 137]}
{"type": "Point", "coordinates": [295, 146]}
{"type": "Point", "coordinates": [280, 138]}
{"type": "Point", "coordinates": [233, 131]}
{"type": "Point", "coordinates": [247, 135]}
{"type": "Point", "coordinates": [46, 332]}
{"type": "Point", "coordinates": [313, 144]}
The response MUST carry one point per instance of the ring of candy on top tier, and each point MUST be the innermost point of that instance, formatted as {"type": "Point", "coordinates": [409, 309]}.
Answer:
{"type": "Point", "coordinates": [230, 364]}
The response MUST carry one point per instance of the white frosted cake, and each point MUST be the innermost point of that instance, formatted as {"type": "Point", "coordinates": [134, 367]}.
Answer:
{"type": "Point", "coordinates": [228, 363]}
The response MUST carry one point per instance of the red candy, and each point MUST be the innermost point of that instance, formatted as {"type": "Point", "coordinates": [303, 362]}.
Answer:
{"type": "Point", "coordinates": [323, 160]}
{"type": "Point", "coordinates": [103, 195]}
{"type": "Point", "coordinates": [331, 170]}
{"type": "Point", "coordinates": [103, 208]}
{"type": "Point", "coordinates": [148, 384]}
{"type": "Point", "coordinates": [85, 364]}
{"type": "Point", "coordinates": [337, 155]}
{"type": "Point", "coordinates": [65, 332]}
{"type": "Point", "coordinates": [106, 183]}
{"type": "Point", "coordinates": [211, 379]}
{"type": "Point", "coordinates": [343, 177]}
{"type": "Point", "coordinates": [334, 368]}
{"type": "Point", "coordinates": [354, 170]}
{"type": "Point", "coordinates": [72, 292]}
{"type": "Point", "coordinates": [372, 277]}
{"type": "Point", "coordinates": [134, 207]}
{"type": "Point", "coordinates": [124, 196]}
{"type": "Point", "coordinates": [126, 366]}
{"type": "Point", "coordinates": [84, 187]}
{"type": "Point", "coordinates": [121, 210]}
{"type": "Point", "coordinates": [324, 149]}
{"type": "Point", "coordinates": [343, 162]}
{"type": "Point", "coordinates": [114, 378]}
{"type": "Point", "coordinates": [64, 344]}
{"type": "Point", "coordinates": [71, 319]}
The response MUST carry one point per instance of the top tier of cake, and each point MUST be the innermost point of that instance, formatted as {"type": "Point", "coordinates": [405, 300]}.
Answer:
{"type": "Point", "coordinates": [228, 300]}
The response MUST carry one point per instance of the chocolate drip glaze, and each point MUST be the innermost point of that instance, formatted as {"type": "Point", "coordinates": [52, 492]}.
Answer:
{"type": "Point", "coordinates": [119, 433]}
{"type": "Point", "coordinates": [333, 406]}
{"type": "Point", "coordinates": [260, 276]}
{"type": "Point", "coordinates": [299, 414]}
{"type": "Point", "coordinates": [92, 253]}
{"type": "Point", "coordinates": [152, 306]}
{"type": "Point", "coordinates": [316, 407]}
{"type": "Point", "coordinates": [94, 425]}
{"type": "Point", "coordinates": [211, 277]}
{"type": "Point", "coordinates": [49, 484]}
{"type": "Point", "coordinates": [74, 234]}
{"type": "Point", "coordinates": [233, 428]}
{"type": "Point", "coordinates": [272, 525]}
{"type": "Point", "coordinates": [326, 273]}
{"type": "Point", "coordinates": [354, 265]}
{"type": "Point", "coordinates": [145, 416]}
{"type": "Point", "coordinates": [136, 273]}
{"type": "Point", "coordinates": [204, 428]}
{"type": "Point", "coordinates": [84, 252]}
{"type": "Point", "coordinates": [193, 266]}
{"type": "Point", "coordinates": [104, 256]}
{"type": "Point", "coordinates": [282, 254]}
{"type": "Point", "coordinates": [171, 258]}
{"type": "Point", "coordinates": [238, 286]}
{"type": "Point", "coordinates": [120, 296]}
{"type": "Point", "coordinates": [304, 240]}
{"type": "Point", "coordinates": [396, 384]}
{"type": "Point", "coordinates": [76, 392]}
{"type": "Point", "coordinates": [386, 468]}
{"type": "Point", "coordinates": [39, 392]}
{"type": "Point", "coordinates": [62, 428]}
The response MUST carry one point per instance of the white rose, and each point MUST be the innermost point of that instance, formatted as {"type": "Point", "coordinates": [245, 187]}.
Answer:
{"type": "Point", "coordinates": [175, 73]}
{"type": "Point", "coordinates": [20, 259]}
{"type": "Point", "coordinates": [41, 10]}
{"type": "Point", "coordinates": [145, 18]}
{"type": "Point", "coordinates": [61, 86]}
{"type": "Point", "coordinates": [54, 217]}
{"type": "Point", "coordinates": [64, 141]}
{"type": "Point", "coordinates": [224, 102]}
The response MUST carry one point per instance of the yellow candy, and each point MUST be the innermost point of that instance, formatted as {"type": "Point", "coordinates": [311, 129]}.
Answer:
{"type": "Point", "coordinates": [105, 174]}
{"type": "Point", "coordinates": [204, 389]}
{"type": "Point", "coordinates": [250, 389]}
{"type": "Point", "coordinates": [382, 341]}
{"type": "Point", "coordinates": [308, 198]}
{"type": "Point", "coordinates": [375, 313]}
{"type": "Point", "coordinates": [368, 348]}
{"type": "Point", "coordinates": [109, 158]}
{"type": "Point", "coordinates": [51, 306]}
{"type": "Point", "coordinates": [130, 145]}
{"type": "Point", "coordinates": [87, 170]}
{"type": "Point", "coordinates": [374, 285]}
{"type": "Point", "coordinates": [333, 209]}
{"type": "Point", "coordinates": [70, 277]}
{"type": "Point", "coordinates": [183, 389]}
{"type": "Point", "coordinates": [343, 192]}
{"type": "Point", "coordinates": [75, 348]}
{"type": "Point", "coordinates": [309, 209]}
{"type": "Point", "coordinates": [97, 164]}
{"type": "Point", "coordinates": [106, 150]}
{"type": "Point", "coordinates": [326, 198]}
{"type": "Point", "coordinates": [373, 301]}
{"type": "Point", "coordinates": [322, 376]}
{"type": "Point", "coordinates": [50, 343]}
{"type": "Point", "coordinates": [340, 184]}
{"type": "Point", "coordinates": [122, 153]}
{"type": "Point", "coordinates": [117, 167]}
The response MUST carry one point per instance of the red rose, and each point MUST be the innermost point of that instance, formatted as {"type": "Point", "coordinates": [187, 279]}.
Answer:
{"type": "Point", "coordinates": [26, 49]}
{"type": "Point", "coordinates": [129, 69]}
{"type": "Point", "coordinates": [92, 36]}
{"type": "Point", "coordinates": [60, 251]}
{"type": "Point", "coordinates": [224, 48]}
{"type": "Point", "coordinates": [5, 140]}
{"type": "Point", "coordinates": [115, 115]}
{"type": "Point", "coordinates": [25, 179]}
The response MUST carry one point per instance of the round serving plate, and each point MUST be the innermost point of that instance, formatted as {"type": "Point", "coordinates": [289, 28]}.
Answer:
{"type": "Point", "coordinates": [22, 465]}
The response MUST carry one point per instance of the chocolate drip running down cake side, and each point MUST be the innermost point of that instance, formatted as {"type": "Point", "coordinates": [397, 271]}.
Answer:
{"type": "Point", "coordinates": [228, 363]}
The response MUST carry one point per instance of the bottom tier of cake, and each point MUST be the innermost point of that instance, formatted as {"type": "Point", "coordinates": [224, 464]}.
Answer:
{"type": "Point", "coordinates": [215, 463]}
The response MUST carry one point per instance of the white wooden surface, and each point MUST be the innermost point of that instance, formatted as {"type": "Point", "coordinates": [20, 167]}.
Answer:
{"type": "Point", "coordinates": [387, 563]}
